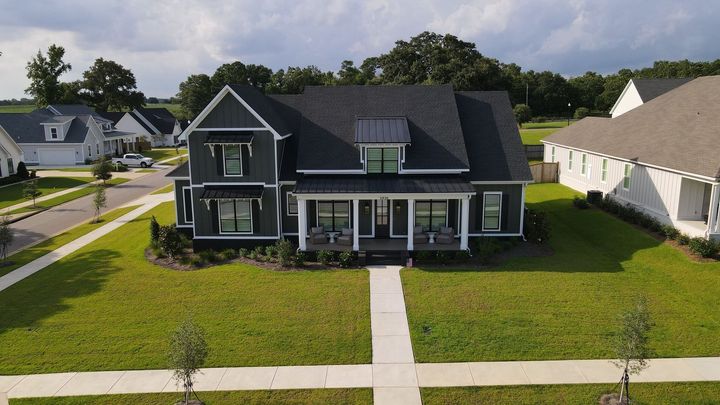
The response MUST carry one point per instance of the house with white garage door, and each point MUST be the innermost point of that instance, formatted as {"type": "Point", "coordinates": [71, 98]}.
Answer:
{"type": "Point", "coordinates": [62, 135]}
{"type": "Point", "coordinates": [662, 157]}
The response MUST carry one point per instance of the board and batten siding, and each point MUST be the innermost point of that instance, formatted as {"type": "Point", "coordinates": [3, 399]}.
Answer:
{"type": "Point", "coordinates": [205, 216]}
{"type": "Point", "coordinates": [654, 190]}
{"type": "Point", "coordinates": [180, 202]}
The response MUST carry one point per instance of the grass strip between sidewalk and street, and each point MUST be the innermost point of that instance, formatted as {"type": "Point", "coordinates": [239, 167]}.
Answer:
{"type": "Point", "coordinates": [62, 199]}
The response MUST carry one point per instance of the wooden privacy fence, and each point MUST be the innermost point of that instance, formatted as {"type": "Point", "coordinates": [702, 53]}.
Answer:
{"type": "Point", "coordinates": [535, 152]}
{"type": "Point", "coordinates": [544, 172]}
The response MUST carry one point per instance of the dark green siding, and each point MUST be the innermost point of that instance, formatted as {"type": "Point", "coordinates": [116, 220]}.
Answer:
{"type": "Point", "coordinates": [289, 222]}
{"type": "Point", "coordinates": [258, 168]}
{"type": "Point", "coordinates": [179, 202]}
{"type": "Point", "coordinates": [264, 220]}
{"type": "Point", "coordinates": [511, 203]}
{"type": "Point", "coordinates": [230, 113]}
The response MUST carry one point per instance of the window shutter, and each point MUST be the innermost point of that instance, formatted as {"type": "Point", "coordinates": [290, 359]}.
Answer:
{"type": "Point", "coordinates": [504, 214]}
{"type": "Point", "coordinates": [219, 160]}
{"type": "Point", "coordinates": [255, 207]}
{"type": "Point", "coordinates": [214, 217]}
{"type": "Point", "coordinates": [245, 154]}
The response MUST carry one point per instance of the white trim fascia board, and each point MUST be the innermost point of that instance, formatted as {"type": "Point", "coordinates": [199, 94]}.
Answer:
{"type": "Point", "coordinates": [433, 171]}
{"type": "Point", "coordinates": [11, 139]}
{"type": "Point", "coordinates": [484, 202]}
{"type": "Point", "coordinates": [287, 183]}
{"type": "Point", "coordinates": [237, 237]}
{"type": "Point", "coordinates": [374, 196]}
{"type": "Point", "coordinates": [493, 234]}
{"type": "Point", "coordinates": [204, 113]}
{"type": "Point", "coordinates": [58, 122]}
{"type": "Point", "coordinates": [285, 136]}
{"type": "Point", "coordinates": [627, 87]}
{"type": "Point", "coordinates": [690, 175]}
{"type": "Point", "coordinates": [178, 177]}
{"type": "Point", "coordinates": [182, 192]}
{"type": "Point", "coordinates": [232, 129]}
{"type": "Point", "coordinates": [147, 122]}
{"type": "Point", "coordinates": [291, 234]}
{"type": "Point", "coordinates": [381, 145]}
{"type": "Point", "coordinates": [277, 189]}
{"type": "Point", "coordinates": [235, 183]}
{"type": "Point", "coordinates": [342, 171]}
{"type": "Point", "coordinates": [51, 143]}
{"type": "Point", "coordinates": [253, 112]}
{"type": "Point", "coordinates": [183, 226]}
{"type": "Point", "coordinates": [502, 182]}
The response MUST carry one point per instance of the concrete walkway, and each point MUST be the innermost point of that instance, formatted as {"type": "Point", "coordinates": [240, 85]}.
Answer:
{"type": "Point", "coordinates": [390, 385]}
{"type": "Point", "coordinates": [131, 174]}
{"type": "Point", "coordinates": [48, 196]}
{"type": "Point", "coordinates": [148, 202]}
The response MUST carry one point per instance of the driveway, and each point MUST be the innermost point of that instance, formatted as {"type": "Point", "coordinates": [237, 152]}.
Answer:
{"type": "Point", "coordinates": [39, 227]}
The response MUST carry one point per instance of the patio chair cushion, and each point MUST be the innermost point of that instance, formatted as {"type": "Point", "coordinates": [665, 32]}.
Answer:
{"type": "Point", "coordinates": [418, 230]}
{"type": "Point", "coordinates": [420, 238]}
{"type": "Point", "coordinates": [347, 232]}
{"type": "Point", "coordinates": [317, 229]}
{"type": "Point", "coordinates": [446, 230]}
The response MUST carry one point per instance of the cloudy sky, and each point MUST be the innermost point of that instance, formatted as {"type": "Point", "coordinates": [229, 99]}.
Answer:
{"type": "Point", "coordinates": [162, 41]}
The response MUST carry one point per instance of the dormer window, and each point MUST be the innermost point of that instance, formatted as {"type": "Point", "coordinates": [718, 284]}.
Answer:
{"type": "Point", "coordinates": [382, 160]}
{"type": "Point", "coordinates": [53, 133]}
{"type": "Point", "coordinates": [380, 140]}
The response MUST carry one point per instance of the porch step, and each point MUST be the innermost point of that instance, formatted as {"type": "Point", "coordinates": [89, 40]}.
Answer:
{"type": "Point", "coordinates": [385, 257]}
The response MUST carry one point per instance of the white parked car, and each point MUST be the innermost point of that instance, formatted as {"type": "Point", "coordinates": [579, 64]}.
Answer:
{"type": "Point", "coordinates": [134, 159]}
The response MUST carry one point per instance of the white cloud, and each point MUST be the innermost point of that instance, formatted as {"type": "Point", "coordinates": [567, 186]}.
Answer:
{"type": "Point", "coordinates": [476, 18]}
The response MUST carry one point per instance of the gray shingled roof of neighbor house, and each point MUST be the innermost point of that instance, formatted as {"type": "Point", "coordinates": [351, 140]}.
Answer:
{"type": "Point", "coordinates": [160, 118]}
{"type": "Point", "coordinates": [651, 88]}
{"type": "Point", "coordinates": [27, 128]}
{"type": "Point", "coordinates": [678, 130]}
{"type": "Point", "coordinates": [182, 170]}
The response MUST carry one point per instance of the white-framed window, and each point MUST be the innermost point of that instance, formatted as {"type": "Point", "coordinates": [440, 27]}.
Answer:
{"type": "Point", "coordinates": [603, 171]}
{"type": "Point", "coordinates": [232, 160]}
{"type": "Point", "coordinates": [11, 166]}
{"type": "Point", "coordinates": [292, 204]}
{"type": "Point", "coordinates": [552, 154]}
{"type": "Point", "coordinates": [53, 133]}
{"type": "Point", "coordinates": [235, 216]}
{"type": "Point", "coordinates": [431, 215]}
{"type": "Point", "coordinates": [583, 164]}
{"type": "Point", "coordinates": [333, 215]}
{"type": "Point", "coordinates": [89, 150]}
{"type": "Point", "coordinates": [492, 210]}
{"type": "Point", "coordinates": [627, 173]}
{"type": "Point", "coordinates": [570, 160]}
{"type": "Point", "coordinates": [382, 160]}
{"type": "Point", "coordinates": [187, 205]}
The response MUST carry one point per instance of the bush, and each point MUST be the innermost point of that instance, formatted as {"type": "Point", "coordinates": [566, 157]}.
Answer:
{"type": "Point", "coordinates": [325, 257]}
{"type": "Point", "coordinates": [186, 242]}
{"type": "Point", "coordinates": [346, 259]}
{"type": "Point", "coordinates": [270, 251]}
{"type": "Point", "coordinates": [209, 256]}
{"type": "Point", "coordinates": [462, 255]}
{"type": "Point", "coordinates": [197, 261]}
{"type": "Point", "coordinates": [704, 247]}
{"type": "Point", "coordinates": [243, 252]}
{"type": "Point", "coordinates": [284, 250]}
{"type": "Point", "coordinates": [120, 168]}
{"type": "Point", "coordinates": [682, 239]}
{"type": "Point", "coordinates": [537, 226]}
{"type": "Point", "coordinates": [169, 241]}
{"type": "Point", "coordinates": [259, 251]}
{"type": "Point", "coordinates": [425, 255]}
{"type": "Point", "coordinates": [581, 112]}
{"type": "Point", "coordinates": [154, 230]}
{"type": "Point", "coordinates": [22, 171]}
{"type": "Point", "coordinates": [486, 247]}
{"type": "Point", "coordinates": [539, 119]}
{"type": "Point", "coordinates": [444, 255]}
{"type": "Point", "coordinates": [299, 259]}
{"type": "Point", "coordinates": [670, 231]}
{"type": "Point", "coordinates": [580, 203]}
{"type": "Point", "coordinates": [229, 254]}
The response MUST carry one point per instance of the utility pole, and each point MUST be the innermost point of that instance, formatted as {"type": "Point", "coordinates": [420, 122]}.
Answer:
{"type": "Point", "coordinates": [527, 89]}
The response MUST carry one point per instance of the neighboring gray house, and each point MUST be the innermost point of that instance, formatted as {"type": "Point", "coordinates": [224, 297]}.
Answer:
{"type": "Point", "coordinates": [157, 125]}
{"type": "Point", "coordinates": [661, 157]}
{"type": "Point", "coordinates": [362, 162]}
{"type": "Point", "coordinates": [640, 91]}
{"type": "Point", "coordinates": [62, 135]}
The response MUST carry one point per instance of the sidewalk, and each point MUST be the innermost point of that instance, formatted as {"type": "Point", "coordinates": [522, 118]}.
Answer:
{"type": "Point", "coordinates": [148, 202]}
{"type": "Point", "coordinates": [48, 197]}
{"type": "Point", "coordinates": [62, 173]}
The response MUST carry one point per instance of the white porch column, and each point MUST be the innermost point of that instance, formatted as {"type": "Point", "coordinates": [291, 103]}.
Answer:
{"type": "Point", "coordinates": [302, 224]}
{"type": "Point", "coordinates": [356, 225]}
{"type": "Point", "coordinates": [714, 214]}
{"type": "Point", "coordinates": [464, 222]}
{"type": "Point", "coordinates": [410, 223]}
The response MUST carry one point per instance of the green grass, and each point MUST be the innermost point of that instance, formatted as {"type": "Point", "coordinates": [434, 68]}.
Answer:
{"type": "Point", "coordinates": [70, 169]}
{"type": "Point", "coordinates": [548, 124]}
{"type": "Point", "coordinates": [175, 109]}
{"type": "Point", "coordinates": [25, 256]}
{"type": "Point", "coordinates": [22, 108]}
{"type": "Point", "coordinates": [13, 194]}
{"type": "Point", "coordinates": [324, 396]}
{"type": "Point", "coordinates": [68, 197]}
{"type": "Point", "coordinates": [145, 171]}
{"type": "Point", "coordinates": [165, 153]}
{"type": "Point", "coordinates": [170, 187]}
{"type": "Point", "coordinates": [581, 394]}
{"type": "Point", "coordinates": [566, 306]}
{"type": "Point", "coordinates": [534, 136]}
{"type": "Point", "coordinates": [105, 307]}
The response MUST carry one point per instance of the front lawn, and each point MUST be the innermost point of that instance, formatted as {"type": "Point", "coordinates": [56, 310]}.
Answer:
{"type": "Point", "coordinates": [159, 154]}
{"type": "Point", "coordinates": [534, 136]}
{"type": "Point", "coordinates": [547, 124]}
{"type": "Point", "coordinates": [299, 397]}
{"type": "Point", "coordinates": [565, 306]}
{"type": "Point", "coordinates": [580, 394]}
{"type": "Point", "coordinates": [106, 308]}
{"type": "Point", "coordinates": [69, 196]}
{"type": "Point", "coordinates": [170, 187]}
{"type": "Point", "coordinates": [13, 194]}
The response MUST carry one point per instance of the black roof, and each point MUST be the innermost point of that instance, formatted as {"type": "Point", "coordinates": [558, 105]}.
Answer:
{"type": "Point", "coordinates": [142, 123]}
{"type": "Point", "coordinates": [328, 115]}
{"type": "Point", "coordinates": [262, 106]}
{"type": "Point", "coordinates": [160, 118]}
{"type": "Point", "coordinates": [182, 170]}
{"type": "Point", "coordinates": [229, 137]}
{"type": "Point", "coordinates": [231, 192]}
{"type": "Point", "coordinates": [492, 138]}
{"type": "Point", "coordinates": [383, 184]}
{"type": "Point", "coordinates": [113, 116]}
{"type": "Point", "coordinates": [651, 88]}
{"type": "Point", "coordinates": [382, 130]}
{"type": "Point", "coordinates": [27, 128]}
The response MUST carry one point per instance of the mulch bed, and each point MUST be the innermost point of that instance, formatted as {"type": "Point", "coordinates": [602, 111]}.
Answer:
{"type": "Point", "coordinates": [524, 249]}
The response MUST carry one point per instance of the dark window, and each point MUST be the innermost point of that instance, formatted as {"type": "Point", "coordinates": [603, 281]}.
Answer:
{"type": "Point", "coordinates": [382, 160]}
{"type": "Point", "coordinates": [292, 204]}
{"type": "Point", "coordinates": [492, 207]}
{"type": "Point", "coordinates": [431, 215]}
{"type": "Point", "coordinates": [235, 216]}
{"type": "Point", "coordinates": [233, 160]}
{"type": "Point", "coordinates": [11, 166]}
{"type": "Point", "coordinates": [333, 215]}
{"type": "Point", "coordinates": [187, 204]}
{"type": "Point", "coordinates": [53, 133]}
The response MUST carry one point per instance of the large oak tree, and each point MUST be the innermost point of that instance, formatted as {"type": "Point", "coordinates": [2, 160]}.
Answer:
{"type": "Point", "coordinates": [107, 85]}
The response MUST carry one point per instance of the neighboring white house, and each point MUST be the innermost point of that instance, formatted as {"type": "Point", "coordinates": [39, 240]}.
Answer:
{"type": "Point", "coordinates": [157, 125]}
{"type": "Point", "coordinates": [640, 91]}
{"type": "Point", "coordinates": [662, 157]}
{"type": "Point", "coordinates": [10, 154]}
{"type": "Point", "coordinates": [63, 135]}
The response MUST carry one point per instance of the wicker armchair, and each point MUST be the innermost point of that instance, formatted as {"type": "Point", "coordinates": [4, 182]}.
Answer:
{"type": "Point", "coordinates": [446, 235]}
{"type": "Point", "coordinates": [419, 237]}
{"type": "Point", "coordinates": [346, 237]}
{"type": "Point", "coordinates": [317, 235]}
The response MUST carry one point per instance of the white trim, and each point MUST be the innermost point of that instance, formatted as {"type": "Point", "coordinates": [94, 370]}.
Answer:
{"type": "Point", "coordinates": [485, 194]}
{"type": "Point", "coordinates": [627, 87]}
{"type": "Point", "coordinates": [503, 182]}
{"type": "Point", "coordinates": [287, 204]}
{"type": "Point", "coordinates": [291, 234]}
{"type": "Point", "coordinates": [220, 231]}
{"type": "Point", "coordinates": [183, 226]}
{"type": "Point", "coordinates": [475, 235]}
{"type": "Point", "coordinates": [317, 211]}
{"type": "Point", "coordinates": [634, 162]}
{"type": "Point", "coordinates": [347, 171]}
{"type": "Point", "coordinates": [232, 129]}
{"type": "Point", "coordinates": [241, 163]}
{"type": "Point", "coordinates": [236, 237]}
{"type": "Point", "coordinates": [253, 112]}
{"type": "Point", "coordinates": [147, 122]}
{"type": "Point", "coordinates": [627, 176]}
{"type": "Point", "coordinates": [394, 196]}
{"type": "Point", "coordinates": [278, 204]}
{"type": "Point", "coordinates": [571, 159]}
{"type": "Point", "coordinates": [522, 211]}
{"type": "Point", "coordinates": [604, 163]}
{"type": "Point", "coordinates": [433, 171]}
{"type": "Point", "coordinates": [185, 205]}
{"type": "Point", "coordinates": [235, 183]}
{"type": "Point", "coordinates": [287, 183]}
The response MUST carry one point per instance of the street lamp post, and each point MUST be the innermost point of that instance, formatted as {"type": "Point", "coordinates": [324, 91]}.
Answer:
{"type": "Point", "coordinates": [569, 113]}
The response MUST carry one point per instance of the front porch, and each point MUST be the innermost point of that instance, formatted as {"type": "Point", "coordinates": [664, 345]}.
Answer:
{"type": "Point", "coordinates": [380, 245]}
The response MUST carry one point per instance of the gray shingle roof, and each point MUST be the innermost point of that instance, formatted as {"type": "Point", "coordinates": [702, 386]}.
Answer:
{"type": "Point", "coordinates": [113, 116]}
{"type": "Point", "coordinates": [651, 88]}
{"type": "Point", "coordinates": [260, 103]}
{"type": "Point", "coordinates": [142, 123]}
{"type": "Point", "coordinates": [27, 128]}
{"type": "Point", "coordinates": [678, 130]}
{"type": "Point", "coordinates": [383, 184]}
{"type": "Point", "coordinates": [492, 138]}
{"type": "Point", "coordinates": [76, 109]}
{"type": "Point", "coordinates": [382, 130]}
{"type": "Point", "coordinates": [160, 118]}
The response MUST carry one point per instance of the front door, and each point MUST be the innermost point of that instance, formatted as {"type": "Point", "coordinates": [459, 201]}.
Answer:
{"type": "Point", "coordinates": [382, 218]}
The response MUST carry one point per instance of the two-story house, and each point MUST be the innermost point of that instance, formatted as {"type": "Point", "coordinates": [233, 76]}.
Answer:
{"type": "Point", "coordinates": [386, 167]}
